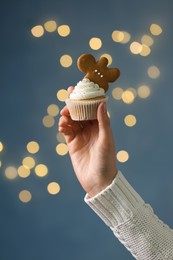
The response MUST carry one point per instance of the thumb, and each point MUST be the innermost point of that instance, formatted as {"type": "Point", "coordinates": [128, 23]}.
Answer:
{"type": "Point", "coordinates": [103, 120]}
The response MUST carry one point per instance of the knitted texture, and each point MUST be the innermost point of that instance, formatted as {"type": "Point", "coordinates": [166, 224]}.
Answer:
{"type": "Point", "coordinates": [133, 221]}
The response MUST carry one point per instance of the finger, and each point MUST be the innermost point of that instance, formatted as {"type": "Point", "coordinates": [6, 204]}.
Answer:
{"type": "Point", "coordinates": [70, 89]}
{"type": "Point", "coordinates": [65, 111]}
{"type": "Point", "coordinates": [103, 120]}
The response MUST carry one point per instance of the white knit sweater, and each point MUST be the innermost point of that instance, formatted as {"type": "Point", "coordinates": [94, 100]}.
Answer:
{"type": "Point", "coordinates": [132, 221]}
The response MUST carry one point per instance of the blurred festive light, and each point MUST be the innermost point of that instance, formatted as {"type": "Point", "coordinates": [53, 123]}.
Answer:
{"type": "Point", "coordinates": [109, 57]}
{"type": "Point", "coordinates": [95, 43]}
{"type": "Point", "coordinates": [50, 26]}
{"type": "Point", "coordinates": [48, 121]}
{"type": "Point", "coordinates": [53, 110]}
{"type": "Point", "coordinates": [25, 196]}
{"type": "Point", "coordinates": [32, 147]}
{"type": "Point", "coordinates": [11, 172]}
{"type": "Point", "coordinates": [1, 147]}
{"type": "Point", "coordinates": [66, 60]}
{"type": "Point", "coordinates": [28, 162]}
{"type": "Point", "coordinates": [60, 137]}
{"type": "Point", "coordinates": [155, 29]}
{"type": "Point", "coordinates": [23, 172]}
{"type": "Point", "coordinates": [41, 170]}
{"type": "Point", "coordinates": [153, 72]}
{"type": "Point", "coordinates": [133, 90]}
{"type": "Point", "coordinates": [135, 47]}
{"type": "Point", "coordinates": [117, 36]}
{"type": "Point", "coordinates": [62, 149]}
{"type": "Point", "coordinates": [63, 30]}
{"type": "Point", "coordinates": [130, 120]}
{"type": "Point", "coordinates": [37, 31]}
{"type": "Point", "coordinates": [128, 97]}
{"type": "Point", "coordinates": [122, 156]}
{"type": "Point", "coordinates": [145, 50]}
{"type": "Point", "coordinates": [0, 164]}
{"type": "Point", "coordinates": [144, 91]}
{"type": "Point", "coordinates": [117, 93]}
{"type": "Point", "coordinates": [62, 95]}
{"type": "Point", "coordinates": [121, 36]}
{"type": "Point", "coordinates": [53, 188]}
{"type": "Point", "coordinates": [147, 40]}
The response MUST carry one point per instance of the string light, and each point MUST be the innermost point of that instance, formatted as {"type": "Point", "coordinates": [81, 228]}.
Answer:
{"type": "Point", "coordinates": [95, 43]}
{"type": "Point", "coordinates": [122, 156]}
{"type": "Point", "coordinates": [25, 196]}
{"type": "Point", "coordinates": [53, 188]}
{"type": "Point", "coordinates": [66, 61]}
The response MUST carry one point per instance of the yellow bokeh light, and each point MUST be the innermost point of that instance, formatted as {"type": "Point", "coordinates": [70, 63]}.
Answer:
{"type": "Point", "coordinates": [62, 149]}
{"type": "Point", "coordinates": [135, 47]}
{"type": "Point", "coordinates": [117, 36]}
{"type": "Point", "coordinates": [0, 163]}
{"type": "Point", "coordinates": [50, 26]}
{"type": "Point", "coordinates": [122, 156]}
{"type": "Point", "coordinates": [63, 30]}
{"type": "Point", "coordinates": [144, 91]}
{"type": "Point", "coordinates": [121, 36]}
{"type": "Point", "coordinates": [66, 61]}
{"type": "Point", "coordinates": [60, 137]}
{"type": "Point", "coordinates": [23, 172]}
{"type": "Point", "coordinates": [109, 57]}
{"type": "Point", "coordinates": [53, 110]}
{"type": "Point", "coordinates": [95, 43]}
{"type": "Point", "coordinates": [37, 31]}
{"type": "Point", "coordinates": [41, 170]}
{"type": "Point", "coordinates": [11, 172]}
{"type": "Point", "coordinates": [53, 188]}
{"type": "Point", "coordinates": [28, 162]}
{"type": "Point", "coordinates": [48, 121]}
{"type": "Point", "coordinates": [145, 50]}
{"type": "Point", "coordinates": [147, 40]}
{"type": "Point", "coordinates": [153, 72]}
{"type": "Point", "coordinates": [25, 196]}
{"type": "Point", "coordinates": [1, 147]}
{"type": "Point", "coordinates": [128, 97]}
{"type": "Point", "coordinates": [130, 120]}
{"type": "Point", "coordinates": [117, 93]}
{"type": "Point", "coordinates": [62, 95]}
{"type": "Point", "coordinates": [32, 147]}
{"type": "Point", "coordinates": [155, 29]}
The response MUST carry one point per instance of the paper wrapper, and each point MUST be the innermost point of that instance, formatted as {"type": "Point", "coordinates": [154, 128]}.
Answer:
{"type": "Point", "coordinates": [84, 110]}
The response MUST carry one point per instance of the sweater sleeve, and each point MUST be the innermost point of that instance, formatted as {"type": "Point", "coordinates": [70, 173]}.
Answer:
{"type": "Point", "coordinates": [133, 221]}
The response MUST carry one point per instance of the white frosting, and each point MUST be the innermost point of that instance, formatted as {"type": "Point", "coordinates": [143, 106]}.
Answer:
{"type": "Point", "coordinates": [86, 89]}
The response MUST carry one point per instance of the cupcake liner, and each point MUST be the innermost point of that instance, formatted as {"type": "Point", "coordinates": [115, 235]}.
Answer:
{"type": "Point", "coordinates": [84, 110]}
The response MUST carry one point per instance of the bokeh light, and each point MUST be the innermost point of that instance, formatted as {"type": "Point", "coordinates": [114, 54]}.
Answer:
{"type": "Point", "coordinates": [135, 47]}
{"type": "Point", "coordinates": [155, 29]}
{"type": "Point", "coordinates": [23, 172]}
{"type": "Point", "coordinates": [62, 149]}
{"type": "Point", "coordinates": [11, 172]}
{"type": "Point", "coordinates": [95, 43]}
{"type": "Point", "coordinates": [144, 91]}
{"type": "Point", "coordinates": [48, 121]}
{"type": "Point", "coordinates": [53, 110]}
{"type": "Point", "coordinates": [145, 51]}
{"type": "Point", "coordinates": [1, 146]}
{"type": "Point", "coordinates": [147, 40]}
{"type": "Point", "coordinates": [62, 95]}
{"type": "Point", "coordinates": [63, 30]}
{"type": "Point", "coordinates": [50, 26]}
{"type": "Point", "coordinates": [60, 138]}
{"type": "Point", "coordinates": [53, 188]}
{"type": "Point", "coordinates": [122, 156]}
{"type": "Point", "coordinates": [41, 170]}
{"type": "Point", "coordinates": [37, 31]}
{"type": "Point", "coordinates": [117, 93]}
{"type": "Point", "coordinates": [28, 162]}
{"type": "Point", "coordinates": [66, 61]}
{"type": "Point", "coordinates": [128, 96]}
{"type": "Point", "coordinates": [130, 120]}
{"type": "Point", "coordinates": [153, 72]}
{"type": "Point", "coordinates": [121, 36]}
{"type": "Point", "coordinates": [25, 196]}
{"type": "Point", "coordinates": [32, 147]}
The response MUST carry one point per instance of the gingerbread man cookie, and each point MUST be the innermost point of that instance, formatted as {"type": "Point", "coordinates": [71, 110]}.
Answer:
{"type": "Point", "coordinates": [97, 71]}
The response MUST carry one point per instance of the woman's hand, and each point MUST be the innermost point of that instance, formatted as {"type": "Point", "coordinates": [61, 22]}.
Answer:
{"type": "Point", "coordinates": [91, 148]}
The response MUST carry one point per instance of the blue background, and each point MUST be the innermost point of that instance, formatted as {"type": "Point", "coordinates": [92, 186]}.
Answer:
{"type": "Point", "coordinates": [63, 226]}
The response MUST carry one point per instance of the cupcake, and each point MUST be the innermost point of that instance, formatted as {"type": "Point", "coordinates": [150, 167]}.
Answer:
{"type": "Point", "coordinates": [87, 95]}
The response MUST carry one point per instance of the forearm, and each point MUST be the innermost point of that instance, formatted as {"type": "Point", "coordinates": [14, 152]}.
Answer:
{"type": "Point", "coordinates": [132, 221]}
